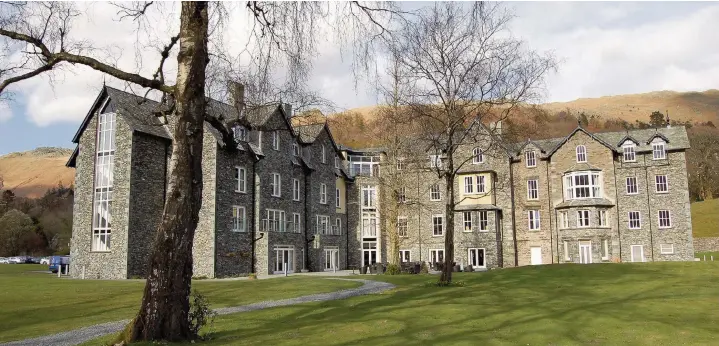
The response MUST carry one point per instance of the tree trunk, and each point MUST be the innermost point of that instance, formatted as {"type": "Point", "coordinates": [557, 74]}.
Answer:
{"type": "Point", "coordinates": [165, 305]}
{"type": "Point", "coordinates": [446, 276]}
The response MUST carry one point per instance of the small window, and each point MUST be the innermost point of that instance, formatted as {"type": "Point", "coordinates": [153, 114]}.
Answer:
{"type": "Point", "coordinates": [480, 184]}
{"type": "Point", "coordinates": [533, 217]}
{"type": "Point", "coordinates": [564, 219]}
{"type": "Point", "coordinates": [662, 186]}
{"type": "Point", "coordinates": [337, 229]}
{"type": "Point", "coordinates": [405, 256]}
{"type": "Point", "coordinates": [468, 185]}
{"type": "Point", "coordinates": [435, 161]}
{"type": "Point", "coordinates": [323, 193]}
{"type": "Point", "coordinates": [532, 189]}
{"type": "Point", "coordinates": [296, 222]}
{"type": "Point", "coordinates": [632, 186]}
{"type": "Point", "coordinates": [483, 220]}
{"type": "Point", "coordinates": [658, 151]}
{"type": "Point", "coordinates": [635, 221]}
{"type": "Point", "coordinates": [583, 218]}
{"type": "Point", "coordinates": [531, 158]}
{"type": "Point", "coordinates": [296, 189]}
{"type": "Point", "coordinates": [276, 185]}
{"type": "Point", "coordinates": [276, 140]}
{"type": "Point", "coordinates": [602, 214]}
{"type": "Point", "coordinates": [629, 153]}
{"type": "Point", "coordinates": [477, 156]}
{"type": "Point", "coordinates": [323, 224]}
{"type": "Point", "coordinates": [665, 219]}
{"type": "Point", "coordinates": [241, 178]}
{"type": "Point", "coordinates": [437, 225]}
{"type": "Point", "coordinates": [238, 219]}
{"type": "Point", "coordinates": [295, 149]}
{"type": "Point", "coordinates": [402, 226]}
{"type": "Point", "coordinates": [400, 164]}
{"type": "Point", "coordinates": [434, 193]}
{"type": "Point", "coordinates": [566, 251]}
{"type": "Point", "coordinates": [581, 153]}
{"type": "Point", "coordinates": [402, 195]}
{"type": "Point", "coordinates": [240, 133]}
{"type": "Point", "coordinates": [666, 249]}
{"type": "Point", "coordinates": [337, 198]}
{"type": "Point", "coordinates": [467, 221]}
{"type": "Point", "coordinates": [337, 162]}
{"type": "Point", "coordinates": [605, 249]}
{"type": "Point", "coordinates": [324, 154]}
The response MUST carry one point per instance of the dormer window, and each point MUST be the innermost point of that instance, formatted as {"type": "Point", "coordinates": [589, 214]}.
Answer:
{"type": "Point", "coordinates": [531, 158]}
{"type": "Point", "coordinates": [477, 156]}
{"type": "Point", "coordinates": [240, 133]}
{"type": "Point", "coordinates": [435, 161]}
{"type": "Point", "coordinates": [659, 151]}
{"type": "Point", "coordinates": [581, 153]}
{"type": "Point", "coordinates": [337, 162]}
{"type": "Point", "coordinates": [629, 152]}
{"type": "Point", "coordinates": [295, 149]}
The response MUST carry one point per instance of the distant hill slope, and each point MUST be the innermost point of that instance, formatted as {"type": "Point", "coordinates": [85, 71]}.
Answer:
{"type": "Point", "coordinates": [705, 218]}
{"type": "Point", "coordinates": [31, 173]}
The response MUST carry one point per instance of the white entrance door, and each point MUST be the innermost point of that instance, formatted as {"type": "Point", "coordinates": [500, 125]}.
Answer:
{"type": "Point", "coordinates": [637, 253]}
{"type": "Point", "coordinates": [284, 257]}
{"type": "Point", "coordinates": [332, 259]}
{"type": "Point", "coordinates": [369, 253]}
{"type": "Point", "coordinates": [585, 252]}
{"type": "Point", "coordinates": [536, 255]}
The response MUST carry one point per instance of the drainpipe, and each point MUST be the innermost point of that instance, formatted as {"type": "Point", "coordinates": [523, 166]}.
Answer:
{"type": "Point", "coordinates": [347, 227]}
{"type": "Point", "coordinates": [307, 217]}
{"type": "Point", "coordinates": [616, 199]}
{"type": "Point", "coordinates": [649, 207]}
{"type": "Point", "coordinates": [514, 223]}
{"type": "Point", "coordinates": [252, 214]}
{"type": "Point", "coordinates": [549, 209]}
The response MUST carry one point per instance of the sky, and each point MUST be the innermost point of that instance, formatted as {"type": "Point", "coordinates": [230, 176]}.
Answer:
{"type": "Point", "coordinates": [604, 48]}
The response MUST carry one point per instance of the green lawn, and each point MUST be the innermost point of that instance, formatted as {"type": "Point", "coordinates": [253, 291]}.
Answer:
{"type": "Point", "coordinates": [705, 218]}
{"type": "Point", "coordinates": [34, 304]}
{"type": "Point", "coordinates": [600, 304]}
{"type": "Point", "coordinates": [708, 255]}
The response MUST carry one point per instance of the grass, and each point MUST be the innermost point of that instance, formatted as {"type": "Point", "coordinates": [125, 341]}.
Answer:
{"type": "Point", "coordinates": [705, 218]}
{"type": "Point", "coordinates": [35, 304]}
{"type": "Point", "coordinates": [569, 304]}
{"type": "Point", "coordinates": [708, 255]}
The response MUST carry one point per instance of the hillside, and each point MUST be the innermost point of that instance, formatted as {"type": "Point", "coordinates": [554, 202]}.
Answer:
{"type": "Point", "coordinates": [705, 218]}
{"type": "Point", "coordinates": [31, 173]}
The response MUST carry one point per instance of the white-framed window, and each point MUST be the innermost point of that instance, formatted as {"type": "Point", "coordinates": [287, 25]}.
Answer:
{"type": "Point", "coordinates": [296, 222]}
{"type": "Point", "coordinates": [435, 161]}
{"type": "Point", "coordinates": [666, 249]}
{"type": "Point", "coordinates": [337, 198]}
{"type": "Point", "coordinates": [436, 255]}
{"type": "Point", "coordinates": [467, 221]}
{"type": "Point", "coordinates": [104, 181]}
{"type": "Point", "coordinates": [635, 221]}
{"type": "Point", "coordinates": [295, 189]}
{"type": "Point", "coordinates": [275, 221]}
{"type": "Point", "coordinates": [241, 178]}
{"type": "Point", "coordinates": [632, 186]}
{"type": "Point", "coordinates": [437, 225]}
{"type": "Point", "coordinates": [239, 132]}
{"type": "Point", "coordinates": [480, 184]}
{"type": "Point", "coordinates": [531, 158]}
{"type": "Point", "coordinates": [630, 154]}
{"type": "Point", "coordinates": [434, 193]}
{"type": "Point", "coordinates": [400, 163]}
{"type": "Point", "coordinates": [483, 220]}
{"type": "Point", "coordinates": [276, 140]}
{"type": "Point", "coordinates": [637, 253]}
{"type": "Point", "coordinates": [566, 251]}
{"type": "Point", "coordinates": [476, 258]}
{"type": "Point", "coordinates": [583, 218]}
{"type": "Point", "coordinates": [662, 184]}
{"type": "Point", "coordinates": [295, 149]}
{"type": "Point", "coordinates": [337, 228]}
{"type": "Point", "coordinates": [665, 219]}
{"type": "Point", "coordinates": [337, 162]}
{"type": "Point", "coordinates": [658, 151]}
{"type": "Point", "coordinates": [532, 189]}
{"type": "Point", "coordinates": [402, 195]}
{"type": "Point", "coordinates": [580, 185]}
{"type": "Point", "coordinates": [468, 185]}
{"type": "Point", "coordinates": [259, 139]}
{"type": "Point", "coordinates": [477, 156]}
{"type": "Point", "coordinates": [534, 219]}
{"type": "Point", "coordinates": [369, 196]}
{"type": "Point", "coordinates": [405, 256]}
{"type": "Point", "coordinates": [369, 224]}
{"type": "Point", "coordinates": [324, 154]}
{"type": "Point", "coordinates": [323, 193]}
{"type": "Point", "coordinates": [602, 215]}
{"type": "Point", "coordinates": [605, 249]}
{"type": "Point", "coordinates": [564, 219]}
{"type": "Point", "coordinates": [276, 185]}
{"type": "Point", "coordinates": [332, 258]}
{"type": "Point", "coordinates": [239, 220]}
{"type": "Point", "coordinates": [402, 226]}
{"type": "Point", "coordinates": [323, 224]}
{"type": "Point", "coordinates": [581, 153]}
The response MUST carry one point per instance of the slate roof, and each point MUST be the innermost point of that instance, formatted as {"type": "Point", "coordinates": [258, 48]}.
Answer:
{"type": "Point", "coordinates": [589, 202]}
{"type": "Point", "coordinates": [675, 136]}
{"type": "Point", "coordinates": [308, 133]}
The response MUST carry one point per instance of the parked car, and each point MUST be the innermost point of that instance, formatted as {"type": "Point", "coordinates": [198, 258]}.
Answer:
{"type": "Point", "coordinates": [45, 260]}
{"type": "Point", "coordinates": [4, 260]}
{"type": "Point", "coordinates": [16, 260]}
{"type": "Point", "coordinates": [56, 261]}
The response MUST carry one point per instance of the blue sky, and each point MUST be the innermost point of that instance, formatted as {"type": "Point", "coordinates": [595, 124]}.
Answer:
{"type": "Point", "coordinates": [605, 49]}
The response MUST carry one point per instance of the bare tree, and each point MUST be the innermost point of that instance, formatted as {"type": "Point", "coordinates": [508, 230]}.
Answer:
{"type": "Point", "coordinates": [464, 66]}
{"type": "Point", "coordinates": [702, 160]}
{"type": "Point", "coordinates": [40, 34]}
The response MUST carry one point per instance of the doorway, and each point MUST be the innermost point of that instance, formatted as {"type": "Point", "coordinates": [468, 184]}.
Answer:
{"type": "Point", "coordinates": [585, 252]}
{"type": "Point", "coordinates": [535, 255]}
{"type": "Point", "coordinates": [284, 257]}
{"type": "Point", "coordinates": [369, 253]}
{"type": "Point", "coordinates": [637, 253]}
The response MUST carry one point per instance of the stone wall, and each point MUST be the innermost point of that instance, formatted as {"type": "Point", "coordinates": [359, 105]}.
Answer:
{"type": "Point", "coordinates": [706, 244]}
{"type": "Point", "coordinates": [203, 248]}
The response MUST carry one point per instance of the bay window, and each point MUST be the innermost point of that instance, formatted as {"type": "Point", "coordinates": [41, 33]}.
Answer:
{"type": "Point", "coordinates": [580, 185]}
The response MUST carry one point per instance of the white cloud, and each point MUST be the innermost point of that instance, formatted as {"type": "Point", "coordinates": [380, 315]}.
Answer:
{"type": "Point", "coordinates": [5, 112]}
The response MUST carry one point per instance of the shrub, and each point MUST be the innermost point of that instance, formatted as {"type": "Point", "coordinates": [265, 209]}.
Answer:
{"type": "Point", "coordinates": [424, 269]}
{"type": "Point", "coordinates": [446, 283]}
{"type": "Point", "coordinates": [393, 269]}
{"type": "Point", "coordinates": [200, 313]}
{"type": "Point", "coordinates": [252, 276]}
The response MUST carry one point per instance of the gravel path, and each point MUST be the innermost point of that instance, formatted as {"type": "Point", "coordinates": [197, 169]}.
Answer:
{"type": "Point", "coordinates": [78, 336]}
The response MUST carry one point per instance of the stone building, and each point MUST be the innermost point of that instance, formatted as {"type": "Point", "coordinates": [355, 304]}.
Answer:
{"type": "Point", "coordinates": [291, 199]}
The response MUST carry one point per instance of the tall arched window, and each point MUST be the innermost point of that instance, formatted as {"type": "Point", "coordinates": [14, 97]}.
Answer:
{"type": "Point", "coordinates": [581, 153]}
{"type": "Point", "coordinates": [477, 156]}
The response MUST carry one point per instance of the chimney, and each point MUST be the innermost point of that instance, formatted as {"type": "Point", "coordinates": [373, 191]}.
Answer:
{"type": "Point", "coordinates": [498, 129]}
{"type": "Point", "coordinates": [237, 96]}
{"type": "Point", "coordinates": [288, 110]}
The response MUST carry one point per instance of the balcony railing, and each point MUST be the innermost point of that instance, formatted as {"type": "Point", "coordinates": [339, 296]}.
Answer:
{"type": "Point", "coordinates": [280, 226]}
